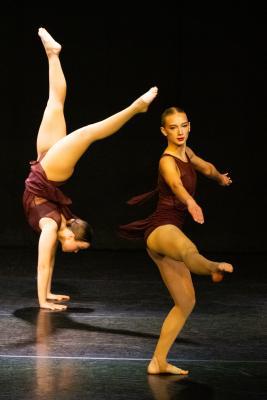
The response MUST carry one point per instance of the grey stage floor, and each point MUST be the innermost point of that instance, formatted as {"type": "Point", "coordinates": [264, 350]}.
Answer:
{"type": "Point", "coordinates": [99, 348]}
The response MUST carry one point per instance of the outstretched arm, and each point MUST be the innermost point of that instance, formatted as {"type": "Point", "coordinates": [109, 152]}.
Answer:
{"type": "Point", "coordinates": [171, 174]}
{"type": "Point", "coordinates": [46, 253]}
{"type": "Point", "coordinates": [208, 169]}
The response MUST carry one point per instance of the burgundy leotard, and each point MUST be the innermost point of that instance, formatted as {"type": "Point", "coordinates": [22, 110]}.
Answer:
{"type": "Point", "coordinates": [42, 198]}
{"type": "Point", "coordinates": [169, 209]}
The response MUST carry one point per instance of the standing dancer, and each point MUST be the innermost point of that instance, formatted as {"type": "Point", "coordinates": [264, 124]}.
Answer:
{"type": "Point", "coordinates": [45, 205]}
{"type": "Point", "coordinates": [171, 250]}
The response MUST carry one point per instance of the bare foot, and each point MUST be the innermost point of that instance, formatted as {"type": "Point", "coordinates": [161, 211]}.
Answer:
{"type": "Point", "coordinates": [58, 297]}
{"type": "Point", "coordinates": [50, 45]}
{"type": "Point", "coordinates": [155, 367]}
{"type": "Point", "coordinates": [218, 275]}
{"type": "Point", "coordinates": [52, 306]}
{"type": "Point", "coordinates": [144, 101]}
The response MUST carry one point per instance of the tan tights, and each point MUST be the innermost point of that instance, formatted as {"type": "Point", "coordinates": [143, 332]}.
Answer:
{"type": "Point", "coordinates": [175, 255]}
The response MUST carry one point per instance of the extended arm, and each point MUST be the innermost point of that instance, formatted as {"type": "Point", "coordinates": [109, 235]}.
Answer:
{"type": "Point", "coordinates": [171, 174]}
{"type": "Point", "coordinates": [208, 169]}
{"type": "Point", "coordinates": [46, 257]}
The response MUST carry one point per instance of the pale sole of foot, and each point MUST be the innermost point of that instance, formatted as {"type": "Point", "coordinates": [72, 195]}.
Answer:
{"type": "Point", "coordinates": [149, 96]}
{"type": "Point", "coordinates": [49, 43]}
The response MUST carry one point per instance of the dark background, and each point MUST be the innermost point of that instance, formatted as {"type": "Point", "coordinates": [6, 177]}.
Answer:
{"type": "Point", "coordinates": [208, 59]}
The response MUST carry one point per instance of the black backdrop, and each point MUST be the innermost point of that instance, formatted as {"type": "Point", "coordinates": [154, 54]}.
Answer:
{"type": "Point", "coordinates": [200, 58]}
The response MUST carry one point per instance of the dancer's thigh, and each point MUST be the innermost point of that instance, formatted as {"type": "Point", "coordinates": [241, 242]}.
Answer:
{"type": "Point", "coordinates": [170, 241]}
{"type": "Point", "coordinates": [52, 128]}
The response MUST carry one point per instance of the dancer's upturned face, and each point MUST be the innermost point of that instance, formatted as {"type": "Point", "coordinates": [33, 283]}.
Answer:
{"type": "Point", "coordinates": [176, 128]}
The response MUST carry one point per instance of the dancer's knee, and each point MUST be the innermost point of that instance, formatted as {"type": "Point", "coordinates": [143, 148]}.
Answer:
{"type": "Point", "coordinates": [189, 251]}
{"type": "Point", "coordinates": [191, 302]}
{"type": "Point", "coordinates": [187, 304]}
{"type": "Point", "coordinates": [54, 105]}
{"type": "Point", "coordinates": [181, 252]}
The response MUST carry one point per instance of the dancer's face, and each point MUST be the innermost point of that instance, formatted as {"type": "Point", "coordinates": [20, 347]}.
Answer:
{"type": "Point", "coordinates": [176, 128]}
{"type": "Point", "coordinates": [71, 245]}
